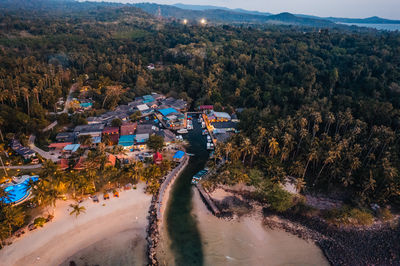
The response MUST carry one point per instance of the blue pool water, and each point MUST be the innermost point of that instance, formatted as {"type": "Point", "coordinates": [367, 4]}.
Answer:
{"type": "Point", "coordinates": [20, 191]}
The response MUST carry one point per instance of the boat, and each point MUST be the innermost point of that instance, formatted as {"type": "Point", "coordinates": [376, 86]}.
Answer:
{"type": "Point", "coordinates": [182, 131]}
{"type": "Point", "coordinates": [205, 132]}
{"type": "Point", "coordinates": [203, 125]}
{"type": "Point", "coordinates": [210, 146]}
{"type": "Point", "coordinates": [197, 177]}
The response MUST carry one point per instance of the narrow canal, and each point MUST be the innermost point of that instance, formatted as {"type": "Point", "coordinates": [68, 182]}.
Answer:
{"type": "Point", "coordinates": [182, 229]}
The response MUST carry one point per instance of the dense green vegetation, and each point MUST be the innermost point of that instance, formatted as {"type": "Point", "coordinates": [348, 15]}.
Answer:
{"type": "Point", "coordinates": [322, 106]}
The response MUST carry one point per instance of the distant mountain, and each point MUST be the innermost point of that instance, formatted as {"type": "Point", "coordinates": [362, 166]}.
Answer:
{"type": "Point", "coordinates": [202, 8]}
{"type": "Point", "coordinates": [371, 20]}
{"type": "Point", "coordinates": [229, 15]}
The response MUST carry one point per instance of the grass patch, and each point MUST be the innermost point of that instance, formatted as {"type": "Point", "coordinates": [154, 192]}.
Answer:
{"type": "Point", "coordinates": [347, 215]}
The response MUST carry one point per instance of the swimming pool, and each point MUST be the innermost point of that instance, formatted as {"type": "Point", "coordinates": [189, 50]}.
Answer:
{"type": "Point", "coordinates": [19, 192]}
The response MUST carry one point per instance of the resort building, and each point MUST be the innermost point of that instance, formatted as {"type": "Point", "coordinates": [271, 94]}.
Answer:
{"type": "Point", "coordinates": [58, 146]}
{"type": "Point", "coordinates": [218, 117]}
{"type": "Point", "coordinates": [25, 152]}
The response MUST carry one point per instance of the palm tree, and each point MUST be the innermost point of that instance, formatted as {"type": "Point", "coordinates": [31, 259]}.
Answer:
{"type": "Point", "coordinates": [228, 149]}
{"type": "Point", "coordinates": [1, 160]}
{"type": "Point", "coordinates": [253, 151]}
{"type": "Point", "coordinates": [76, 209]}
{"type": "Point", "coordinates": [135, 171]}
{"type": "Point", "coordinates": [245, 148]}
{"type": "Point", "coordinates": [273, 147]}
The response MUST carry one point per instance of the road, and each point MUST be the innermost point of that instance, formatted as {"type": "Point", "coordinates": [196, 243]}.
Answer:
{"type": "Point", "coordinates": [33, 166]}
{"type": "Point", "coordinates": [68, 101]}
{"type": "Point", "coordinates": [44, 154]}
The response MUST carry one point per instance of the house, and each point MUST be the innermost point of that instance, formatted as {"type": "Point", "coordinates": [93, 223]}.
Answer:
{"type": "Point", "coordinates": [94, 120]}
{"type": "Point", "coordinates": [128, 129]}
{"type": "Point", "coordinates": [25, 152]}
{"type": "Point", "coordinates": [142, 108]}
{"type": "Point", "coordinates": [66, 137]}
{"type": "Point", "coordinates": [218, 117]}
{"type": "Point", "coordinates": [111, 160]}
{"type": "Point", "coordinates": [179, 105]}
{"type": "Point", "coordinates": [174, 121]}
{"type": "Point", "coordinates": [151, 67]}
{"type": "Point", "coordinates": [178, 156]}
{"type": "Point", "coordinates": [157, 158]}
{"type": "Point", "coordinates": [71, 148]}
{"type": "Point", "coordinates": [94, 130]}
{"type": "Point", "coordinates": [157, 96]}
{"type": "Point", "coordinates": [126, 141]}
{"type": "Point", "coordinates": [58, 145]}
{"type": "Point", "coordinates": [168, 135]}
{"type": "Point", "coordinates": [112, 133]}
{"type": "Point", "coordinates": [80, 164]}
{"type": "Point", "coordinates": [148, 98]}
{"type": "Point", "coordinates": [203, 108]}
{"type": "Point", "coordinates": [168, 111]}
{"type": "Point", "coordinates": [140, 141]}
{"type": "Point", "coordinates": [146, 129]}
{"type": "Point", "coordinates": [63, 164]}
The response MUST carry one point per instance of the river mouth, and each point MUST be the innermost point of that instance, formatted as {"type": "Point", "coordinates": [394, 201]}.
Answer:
{"type": "Point", "coordinates": [184, 237]}
{"type": "Point", "coordinates": [191, 235]}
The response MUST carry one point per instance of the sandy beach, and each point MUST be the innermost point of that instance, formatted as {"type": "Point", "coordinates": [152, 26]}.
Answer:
{"type": "Point", "coordinates": [110, 234]}
{"type": "Point", "coordinates": [245, 241]}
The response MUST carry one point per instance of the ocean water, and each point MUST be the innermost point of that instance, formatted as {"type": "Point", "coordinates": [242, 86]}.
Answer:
{"type": "Point", "coordinates": [387, 27]}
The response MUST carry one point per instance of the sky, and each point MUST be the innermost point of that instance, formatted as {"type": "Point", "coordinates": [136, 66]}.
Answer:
{"type": "Point", "coordinates": [336, 8]}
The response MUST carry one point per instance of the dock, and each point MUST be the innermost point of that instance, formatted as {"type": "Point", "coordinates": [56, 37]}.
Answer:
{"type": "Point", "coordinates": [206, 197]}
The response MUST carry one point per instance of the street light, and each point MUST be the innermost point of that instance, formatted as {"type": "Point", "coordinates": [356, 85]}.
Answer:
{"type": "Point", "coordinates": [203, 21]}
{"type": "Point", "coordinates": [185, 21]}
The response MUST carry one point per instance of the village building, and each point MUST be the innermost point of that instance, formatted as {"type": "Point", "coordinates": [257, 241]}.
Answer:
{"type": "Point", "coordinates": [112, 133]}
{"type": "Point", "coordinates": [58, 146]}
{"type": "Point", "coordinates": [146, 129]}
{"type": "Point", "coordinates": [71, 148]}
{"type": "Point", "coordinates": [179, 105]}
{"type": "Point", "coordinates": [94, 130]}
{"type": "Point", "coordinates": [66, 137]}
{"type": "Point", "coordinates": [218, 117]}
{"type": "Point", "coordinates": [178, 156]}
{"type": "Point", "coordinates": [63, 164]}
{"type": "Point", "coordinates": [157, 158]}
{"type": "Point", "coordinates": [126, 141]}
{"type": "Point", "coordinates": [203, 108]}
{"type": "Point", "coordinates": [128, 129]}
{"type": "Point", "coordinates": [168, 136]}
{"type": "Point", "coordinates": [140, 141]}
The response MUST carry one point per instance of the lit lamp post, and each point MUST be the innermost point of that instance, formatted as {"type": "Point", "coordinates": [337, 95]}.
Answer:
{"type": "Point", "coordinates": [203, 21]}
{"type": "Point", "coordinates": [185, 21]}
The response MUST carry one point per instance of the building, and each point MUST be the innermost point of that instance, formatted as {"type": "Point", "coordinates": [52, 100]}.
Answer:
{"type": "Point", "coordinates": [179, 105]}
{"type": "Point", "coordinates": [128, 129]}
{"type": "Point", "coordinates": [93, 130]}
{"type": "Point", "coordinates": [126, 141]}
{"type": "Point", "coordinates": [66, 137]}
{"type": "Point", "coordinates": [63, 164]}
{"type": "Point", "coordinates": [218, 117]}
{"type": "Point", "coordinates": [112, 133]}
{"type": "Point", "coordinates": [168, 136]}
{"type": "Point", "coordinates": [203, 108]}
{"type": "Point", "coordinates": [140, 141]}
{"type": "Point", "coordinates": [146, 129]}
{"type": "Point", "coordinates": [58, 145]}
{"type": "Point", "coordinates": [143, 108]}
{"type": "Point", "coordinates": [157, 158]}
{"type": "Point", "coordinates": [178, 156]}
{"type": "Point", "coordinates": [111, 160]}
{"type": "Point", "coordinates": [25, 152]}
{"type": "Point", "coordinates": [71, 148]}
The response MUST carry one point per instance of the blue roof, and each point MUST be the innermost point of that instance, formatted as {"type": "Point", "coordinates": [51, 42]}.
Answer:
{"type": "Point", "coordinates": [127, 139]}
{"type": "Point", "coordinates": [179, 155]}
{"type": "Point", "coordinates": [86, 105]}
{"type": "Point", "coordinates": [96, 140]}
{"type": "Point", "coordinates": [148, 99]}
{"type": "Point", "coordinates": [167, 111]}
{"type": "Point", "coordinates": [72, 147]}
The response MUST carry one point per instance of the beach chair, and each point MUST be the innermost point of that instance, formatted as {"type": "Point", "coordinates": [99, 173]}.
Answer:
{"type": "Point", "coordinates": [106, 196]}
{"type": "Point", "coordinates": [116, 194]}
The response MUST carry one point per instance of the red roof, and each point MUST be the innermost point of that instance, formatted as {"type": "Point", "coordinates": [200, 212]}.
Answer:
{"type": "Point", "coordinates": [63, 164]}
{"type": "Point", "coordinates": [79, 165]}
{"type": "Point", "coordinates": [59, 145]}
{"type": "Point", "coordinates": [111, 130]}
{"type": "Point", "coordinates": [206, 107]}
{"type": "Point", "coordinates": [157, 157]}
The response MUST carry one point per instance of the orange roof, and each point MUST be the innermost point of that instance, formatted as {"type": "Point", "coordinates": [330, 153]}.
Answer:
{"type": "Point", "coordinates": [111, 160]}
{"type": "Point", "coordinates": [59, 145]}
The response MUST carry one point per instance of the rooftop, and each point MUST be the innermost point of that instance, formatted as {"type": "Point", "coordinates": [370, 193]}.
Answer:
{"type": "Point", "coordinates": [72, 147]}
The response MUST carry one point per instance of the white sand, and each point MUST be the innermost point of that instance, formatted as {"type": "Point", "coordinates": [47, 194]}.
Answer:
{"type": "Point", "coordinates": [113, 234]}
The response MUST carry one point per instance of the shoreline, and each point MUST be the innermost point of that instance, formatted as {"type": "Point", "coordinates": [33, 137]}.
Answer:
{"type": "Point", "coordinates": [69, 238]}
{"type": "Point", "coordinates": [340, 246]}
{"type": "Point", "coordinates": [157, 208]}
